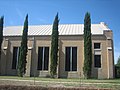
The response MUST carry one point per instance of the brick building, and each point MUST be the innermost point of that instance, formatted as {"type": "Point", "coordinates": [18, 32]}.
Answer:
{"type": "Point", "coordinates": [70, 55]}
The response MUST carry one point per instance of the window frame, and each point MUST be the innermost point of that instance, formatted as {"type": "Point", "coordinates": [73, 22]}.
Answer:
{"type": "Point", "coordinates": [71, 61]}
{"type": "Point", "coordinates": [43, 67]}
{"type": "Point", "coordinates": [97, 48]}
{"type": "Point", "coordinates": [16, 61]}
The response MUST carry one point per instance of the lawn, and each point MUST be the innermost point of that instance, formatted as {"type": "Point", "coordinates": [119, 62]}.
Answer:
{"type": "Point", "coordinates": [112, 83]}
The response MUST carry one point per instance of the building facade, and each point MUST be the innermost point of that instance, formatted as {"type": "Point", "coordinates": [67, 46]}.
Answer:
{"type": "Point", "coordinates": [70, 54]}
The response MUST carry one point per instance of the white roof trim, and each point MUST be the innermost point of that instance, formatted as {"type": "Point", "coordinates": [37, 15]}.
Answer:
{"type": "Point", "coordinates": [29, 48]}
{"type": "Point", "coordinates": [109, 48]}
{"type": "Point", "coordinates": [109, 38]}
{"type": "Point", "coordinates": [4, 48]}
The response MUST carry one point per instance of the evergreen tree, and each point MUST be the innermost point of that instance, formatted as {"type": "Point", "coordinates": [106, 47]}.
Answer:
{"type": "Point", "coordinates": [54, 47]}
{"type": "Point", "coordinates": [117, 68]}
{"type": "Point", "coordinates": [118, 62]}
{"type": "Point", "coordinates": [23, 50]}
{"type": "Point", "coordinates": [1, 32]}
{"type": "Point", "coordinates": [87, 46]}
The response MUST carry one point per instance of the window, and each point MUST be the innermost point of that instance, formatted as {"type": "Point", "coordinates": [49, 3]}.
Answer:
{"type": "Point", "coordinates": [71, 59]}
{"type": "Point", "coordinates": [43, 58]}
{"type": "Point", "coordinates": [96, 45]}
{"type": "Point", "coordinates": [97, 61]}
{"type": "Point", "coordinates": [15, 57]}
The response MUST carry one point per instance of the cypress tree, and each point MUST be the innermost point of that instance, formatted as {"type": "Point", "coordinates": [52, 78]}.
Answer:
{"type": "Point", "coordinates": [117, 68]}
{"type": "Point", "coordinates": [23, 50]}
{"type": "Point", "coordinates": [87, 46]}
{"type": "Point", "coordinates": [1, 32]}
{"type": "Point", "coordinates": [54, 47]}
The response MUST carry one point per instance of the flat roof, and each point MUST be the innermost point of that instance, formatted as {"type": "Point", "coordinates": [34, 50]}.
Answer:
{"type": "Point", "coordinates": [64, 29]}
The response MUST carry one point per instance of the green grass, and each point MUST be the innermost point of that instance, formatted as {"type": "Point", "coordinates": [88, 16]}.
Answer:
{"type": "Point", "coordinates": [112, 83]}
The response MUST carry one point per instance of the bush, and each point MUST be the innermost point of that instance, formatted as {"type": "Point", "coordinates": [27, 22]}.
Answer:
{"type": "Point", "coordinates": [117, 71]}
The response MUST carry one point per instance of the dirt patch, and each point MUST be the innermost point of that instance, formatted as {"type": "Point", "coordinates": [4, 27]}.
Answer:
{"type": "Point", "coordinates": [16, 87]}
{"type": "Point", "coordinates": [14, 84]}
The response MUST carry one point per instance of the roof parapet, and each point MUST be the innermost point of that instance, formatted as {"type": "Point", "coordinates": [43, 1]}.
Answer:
{"type": "Point", "coordinates": [103, 23]}
{"type": "Point", "coordinates": [108, 34]}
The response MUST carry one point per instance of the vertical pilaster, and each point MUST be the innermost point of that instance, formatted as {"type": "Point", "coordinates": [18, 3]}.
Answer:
{"type": "Point", "coordinates": [3, 66]}
{"type": "Point", "coordinates": [29, 56]}
{"type": "Point", "coordinates": [110, 54]}
{"type": "Point", "coordinates": [110, 58]}
{"type": "Point", "coordinates": [58, 63]}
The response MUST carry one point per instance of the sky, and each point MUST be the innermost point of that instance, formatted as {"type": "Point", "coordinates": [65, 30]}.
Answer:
{"type": "Point", "coordinates": [70, 12]}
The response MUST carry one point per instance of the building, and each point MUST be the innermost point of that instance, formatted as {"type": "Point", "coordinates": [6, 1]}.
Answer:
{"type": "Point", "coordinates": [70, 55]}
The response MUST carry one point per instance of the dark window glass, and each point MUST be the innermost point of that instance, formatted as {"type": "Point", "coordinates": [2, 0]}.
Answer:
{"type": "Point", "coordinates": [74, 58]}
{"type": "Point", "coordinates": [43, 58]}
{"type": "Point", "coordinates": [71, 59]}
{"type": "Point", "coordinates": [40, 57]}
{"type": "Point", "coordinates": [46, 58]}
{"type": "Point", "coordinates": [15, 57]}
{"type": "Point", "coordinates": [96, 45]}
{"type": "Point", "coordinates": [97, 61]}
{"type": "Point", "coordinates": [67, 59]}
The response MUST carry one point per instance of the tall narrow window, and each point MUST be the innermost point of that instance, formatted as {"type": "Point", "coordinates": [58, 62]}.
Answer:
{"type": "Point", "coordinates": [46, 58]}
{"type": "Point", "coordinates": [40, 58]}
{"type": "Point", "coordinates": [74, 59]}
{"type": "Point", "coordinates": [67, 59]}
{"type": "Point", "coordinates": [15, 57]}
{"type": "Point", "coordinates": [71, 59]}
{"type": "Point", "coordinates": [43, 58]}
{"type": "Point", "coordinates": [97, 61]}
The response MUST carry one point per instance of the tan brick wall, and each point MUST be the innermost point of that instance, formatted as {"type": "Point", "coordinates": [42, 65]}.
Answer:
{"type": "Point", "coordinates": [106, 70]}
{"type": "Point", "coordinates": [71, 41]}
{"type": "Point", "coordinates": [39, 42]}
{"type": "Point", "coordinates": [100, 72]}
